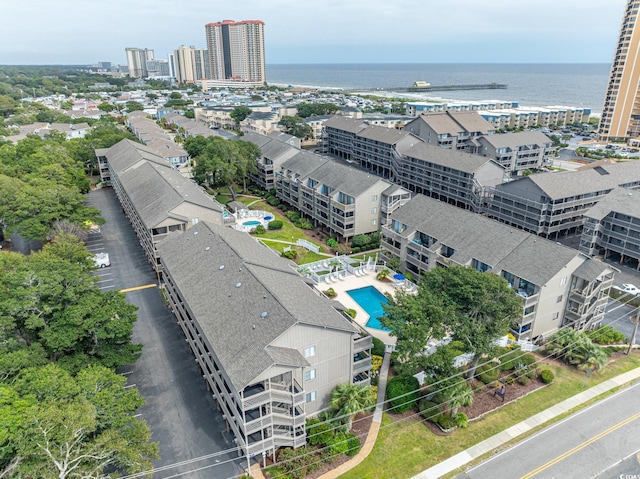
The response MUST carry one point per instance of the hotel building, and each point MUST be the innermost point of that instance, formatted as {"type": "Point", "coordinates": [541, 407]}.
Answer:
{"type": "Point", "coordinates": [620, 118]}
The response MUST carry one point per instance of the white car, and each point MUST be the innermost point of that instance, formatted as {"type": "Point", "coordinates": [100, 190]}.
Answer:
{"type": "Point", "coordinates": [629, 288]}
{"type": "Point", "coordinates": [102, 260]}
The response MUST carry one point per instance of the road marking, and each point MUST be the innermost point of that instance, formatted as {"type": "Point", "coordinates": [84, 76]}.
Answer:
{"type": "Point", "coordinates": [93, 250]}
{"type": "Point", "coordinates": [579, 447]}
{"type": "Point", "coordinates": [104, 281]}
{"type": "Point", "coordinates": [136, 288]}
{"type": "Point", "coordinates": [106, 286]}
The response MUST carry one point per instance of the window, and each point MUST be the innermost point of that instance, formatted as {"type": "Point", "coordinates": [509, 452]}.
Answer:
{"type": "Point", "coordinates": [559, 299]}
{"type": "Point", "coordinates": [309, 351]}
{"type": "Point", "coordinates": [374, 210]}
{"type": "Point", "coordinates": [555, 315]}
{"type": "Point", "coordinates": [374, 222]}
{"type": "Point", "coordinates": [374, 198]}
{"type": "Point", "coordinates": [563, 281]}
{"type": "Point", "coordinates": [194, 221]}
{"type": "Point", "coordinates": [309, 374]}
{"type": "Point", "coordinates": [311, 396]}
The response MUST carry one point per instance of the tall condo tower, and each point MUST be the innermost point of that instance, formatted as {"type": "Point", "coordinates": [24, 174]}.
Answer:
{"type": "Point", "coordinates": [236, 51]}
{"type": "Point", "coordinates": [621, 110]}
{"type": "Point", "coordinates": [137, 61]}
{"type": "Point", "coordinates": [190, 64]}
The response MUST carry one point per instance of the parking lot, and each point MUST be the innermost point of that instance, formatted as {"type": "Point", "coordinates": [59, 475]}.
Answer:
{"type": "Point", "coordinates": [181, 413]}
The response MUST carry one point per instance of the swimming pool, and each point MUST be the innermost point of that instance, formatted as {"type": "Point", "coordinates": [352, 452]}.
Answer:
{"type": "Point", "coordinates": [371, 300]}
{"type": "Point", "coordinates": [252, 223]}
{"type": "Point", "coordinates": [268, 218]}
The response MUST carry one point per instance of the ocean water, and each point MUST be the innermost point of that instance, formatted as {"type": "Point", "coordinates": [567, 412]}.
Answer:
{"type": "Point", "coordinates": [578, 85]}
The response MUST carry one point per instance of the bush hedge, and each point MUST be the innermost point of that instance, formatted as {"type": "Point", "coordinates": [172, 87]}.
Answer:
{"type": "Point", "coordinates": [487, 373]}
{"type": "Point", "coordinates": [378, 347]}
{"type": "Point", "coordinates": [353, 445]}
{"type": "Point", "coordinates": [547, 376]}
{"type": "Point", "coordinates": [275, 225]}
{"type": "Point", "coordinates": [291, 254]}
{"type": "Point", "coordinates": [402, 393]}
{"type": "Point", "coordinates": [429, 410]}
{"type": "Point", "coordinates": [607, 335]}
{"type": "Point", "coordinates": [446, 421]}
{"type": "Point", "coordinates": [319, 433]}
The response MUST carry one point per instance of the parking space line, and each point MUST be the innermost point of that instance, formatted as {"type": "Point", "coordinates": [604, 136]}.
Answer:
{"type": "Point", "coordinates": [106, 287]}
{"type": "Point", "coordinates": [104, 281]}
{"type": "Point", "coordinates": [92, 250]}
{"type": "Point", "coordinates": [136, 288]}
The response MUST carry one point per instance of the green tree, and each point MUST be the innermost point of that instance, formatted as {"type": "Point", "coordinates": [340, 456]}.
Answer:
{"type": "Point", "coordinates": [296, 126]}
{"type": "Point", "coordinates": [106, 107]}
{"type": "Point", "coordinates": [133, 106]}
{"type": "Point", "coordinates": [456, 394]}
{"type": "Point", "coordinates": [7, 106]}
{"type": "Point", "coordinates": [484, 306]}
{"type": "Point", "coordinates": [349, 399]}
{"type": "Point", "coordinates": [311, 109]}
{"type": "Point", "coordinates": [239, 113]}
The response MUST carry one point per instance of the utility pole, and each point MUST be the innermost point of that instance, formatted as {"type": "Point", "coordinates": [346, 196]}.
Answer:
{"type": "Point", "coordinates": [635, 330]}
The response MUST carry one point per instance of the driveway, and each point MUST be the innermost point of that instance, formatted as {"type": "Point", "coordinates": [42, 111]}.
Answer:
{"type": "Point", "coordinates": [180, 411]}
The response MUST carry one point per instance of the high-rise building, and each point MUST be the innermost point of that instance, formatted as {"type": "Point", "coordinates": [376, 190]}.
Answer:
{"type": "Point", "coordinates": [190, 64]}
{"type": "Point", "coordinates": [158, 68]}
{"type": "Point", "coordinates": [137, 61]}
{"type": "Point", "coordinates": [236, 51]}
{"type": "Point", "coordinates": [621, 110]}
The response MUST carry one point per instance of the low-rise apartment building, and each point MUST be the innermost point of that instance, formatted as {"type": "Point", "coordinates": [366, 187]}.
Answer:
{"type": "Point", "coordinates": [517, 152]}
{"type": "Point", "coordinates": [559, 285]}
{"type": "Point", "coordinates": [270, 348]}
{"type": "Point", "coordinates": [155, 197]}
{"type": "Point", "coordinates": [451, 129]}
{"type": "Point", "coordinates": [156, 138]}
{"type": "Point", "coordinates": [555, 202]}
{"type": "Point", "coordinates": [612, 227]}
{"type": "Point", "coordinates": [343, 199]}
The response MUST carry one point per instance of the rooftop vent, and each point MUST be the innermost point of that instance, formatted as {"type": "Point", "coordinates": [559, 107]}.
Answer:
{"type": "Point", "coordinates": [238, 284]}
{"type": "Point", "coordinates": [195, 233]}
{"type": "Point", "coordinates": [263, 314]}
{"type": "Point", "coordinates": [221, 266]}
{"type": "Point", "coordinates": [207, 248]}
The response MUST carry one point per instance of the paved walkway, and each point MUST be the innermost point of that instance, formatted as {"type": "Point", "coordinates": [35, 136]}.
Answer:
{"type": "Point", "coordinates": [367, 447]}
{"type": "Point", "coordinates": [502, 438]}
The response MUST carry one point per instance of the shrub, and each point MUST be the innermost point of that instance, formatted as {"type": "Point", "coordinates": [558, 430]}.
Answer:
{"type": "Point", "coordinates": [338, 444]}
{"type": "Point", "coordinates": [402, 393]}
{"type": "Point", "coordinates": [282, 206]}
{"type": "Point", "coordinates": [298, 463]}
{"type": "Point", "coordinates": [273, 201]}
{"type": "Point", "coordinates": [291, 254]}
{"type": "Point", "coordinates": [306, 224]}
{"type": "Point", "coordinates": [319, 433]}
{"type": "Point", "coordinates": [376, 363]}
{"type": "Point", "coordinates": [509, 380]}
{"type": "Point", "coordinates": [343, 249]}
{"type": "Point", "coordinates": [292, 216]}
{"type": "Point", "coordinates": [547, 376]}
{"type": "Point", "coordinates": [353, 445]}
{"type": "Point", "coordinates": [275, 225]}
{"type": "Point", "coordinates": [331, 293]}
{"type": "Point", "coordinates": [461, 420]}
{"type": "Point", "coordinates": [260, 230]}
{"type": "Point", "coordinates": [524, 380]}
{"type": "Point", "coordinates": [607, 335]}
{"type": "Point", "coordinates": [378, 347]}
{"type": "Point", "coordinates": [351, 313]}
{"type": "Point", "coordinates": [487, 373]}
{"type": "Point", "coordinates": [429, 410]}
{"type": "Point", "coordinates": [331, 243]}
{"type": "Point", "coordinates": [446, 421]}
{"type": "Point", "coordinates": [360, 240]}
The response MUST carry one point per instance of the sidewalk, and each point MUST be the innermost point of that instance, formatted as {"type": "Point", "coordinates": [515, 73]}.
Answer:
{"type": "Point", "coordinates": [490, 444]}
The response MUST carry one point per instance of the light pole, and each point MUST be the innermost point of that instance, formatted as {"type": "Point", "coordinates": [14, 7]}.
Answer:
{"type": "Point", "coordinates": [635, 329]}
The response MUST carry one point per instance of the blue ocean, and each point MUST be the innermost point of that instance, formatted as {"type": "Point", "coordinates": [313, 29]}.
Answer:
{"type": "Point", "coordinates": [579, 85]}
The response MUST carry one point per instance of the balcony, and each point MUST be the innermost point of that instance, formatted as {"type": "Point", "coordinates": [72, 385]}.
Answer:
{"type": "Point", "coordinates": [362, 365]}
{"type": "Point", "coordinates": [363, 344]}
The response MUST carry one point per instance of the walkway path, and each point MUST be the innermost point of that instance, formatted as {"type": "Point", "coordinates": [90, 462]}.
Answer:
{"type": "Point", "coordinates": [375, 424]}
{"type": "Point", "coordinates": [514, 432]}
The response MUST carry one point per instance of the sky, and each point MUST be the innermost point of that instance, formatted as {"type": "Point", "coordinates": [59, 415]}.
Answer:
{"type": "Point", "coordinates": [83, 32]}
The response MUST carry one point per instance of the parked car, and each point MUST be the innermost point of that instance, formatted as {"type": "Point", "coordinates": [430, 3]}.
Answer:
{"type": "Point", "coordinates": [629, 288]}
{"type": "Point", "coordinates": [102, 260]}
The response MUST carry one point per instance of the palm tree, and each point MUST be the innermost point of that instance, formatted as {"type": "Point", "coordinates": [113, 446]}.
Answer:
{"type": "Point", "coordinates": [350, 399]}
{"type": "Point", "coordinates": [459, 395]}
{"type": "Point", "coordinates": [594, 358]}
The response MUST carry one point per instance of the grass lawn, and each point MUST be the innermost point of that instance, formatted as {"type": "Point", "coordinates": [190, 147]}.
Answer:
{"type": "Point", "coordinates": [406, 448]}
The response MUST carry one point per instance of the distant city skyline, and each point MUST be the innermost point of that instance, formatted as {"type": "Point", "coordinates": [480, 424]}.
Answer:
{"type": "Point", "coordinates": [329, 31]}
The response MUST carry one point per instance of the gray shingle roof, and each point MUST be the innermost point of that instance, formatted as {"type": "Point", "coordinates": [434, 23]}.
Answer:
{"type": "Point", "coordinates": [515, 140]}
{"type": "Point", "coordinates": [474, 236]}
{"type": "Point", "coordinates": [620, 200]}
{"type": "Point", "coordinates": [590, 270]}
{"type": "Point", "coordinates": [456, 160]}
{"type": "Point", "coordinates": [152, 185]}
{"type": "Point", "coordinates": [228, 303]}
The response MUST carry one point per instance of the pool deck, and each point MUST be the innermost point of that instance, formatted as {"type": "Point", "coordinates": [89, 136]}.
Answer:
{"type": "Point", "coordinates": [355, 282]}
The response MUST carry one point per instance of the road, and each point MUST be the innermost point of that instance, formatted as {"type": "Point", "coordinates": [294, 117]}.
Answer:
{"type": "Point", "coordinates": [597, 442]}
{"type": "Point", "coordinates": [180, 412]}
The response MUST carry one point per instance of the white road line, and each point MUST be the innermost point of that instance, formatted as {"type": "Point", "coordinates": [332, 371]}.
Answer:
{"type": "Point", "coordinates": [137, 415]}
{"type": "Point", "coordinates": [101, 274]}
{"type": "Point", "coordinates": [104, 281]}
{"type": "Point", "coordinates": [127, 373]}
{"type": "Point", "coordinates": [130, 386]}
{"type": "Point", "coordinates": [92, 250]}
{"type": "Point", "coordinates": [106, 287]}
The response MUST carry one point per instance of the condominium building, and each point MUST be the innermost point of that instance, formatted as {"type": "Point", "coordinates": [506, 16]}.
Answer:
{"type": "Point", "coordinates": [156, 198]}
{"type": "Point", "coordinates": [612, 227]}
{"type": "Point", "coordinates": [451, 129]}
{"type": "Point", "coordinates": [517, 152]}
{"type": "Point", "coordinates": [236, 51]}
{"type": "Point", "coordinates": [190, 64]}
{"type": "Point", "coordinates": [555, 202]}
{"type": "Point", "coordinates": [559, 285]}
{"type": "Point", "coordinates": [400, 156]}
{"type": "Point", "coordinates": [137, 61]}
{"type": "Point", "coordinates": [620, 118]}
{"type": "Point", "coordinates": [270, 348]}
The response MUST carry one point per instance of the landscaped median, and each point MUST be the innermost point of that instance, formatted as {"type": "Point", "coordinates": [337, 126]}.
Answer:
{"type": "Point", "coordinates": [406, 447]}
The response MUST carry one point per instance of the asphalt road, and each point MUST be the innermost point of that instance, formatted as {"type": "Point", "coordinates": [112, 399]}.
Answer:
{"type": "Point", "coordinates": [180, 412]}
{"type": "Point", "coordinates": [618, 315]}
{"type": "Point", "coordinates": [598, 441]}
